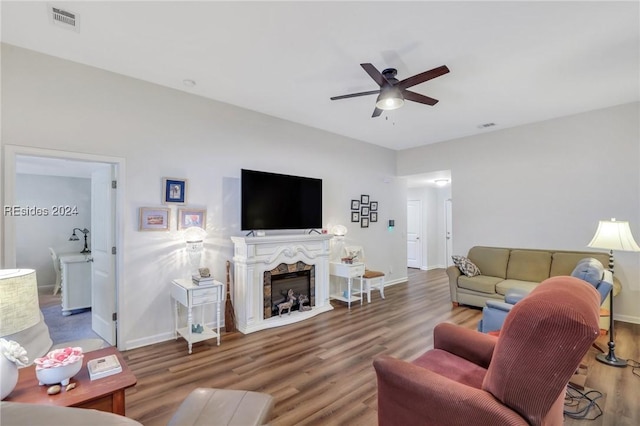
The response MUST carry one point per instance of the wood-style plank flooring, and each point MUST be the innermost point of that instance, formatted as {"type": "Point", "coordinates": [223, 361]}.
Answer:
{"type": "Point", "coordinates": [320, 370]}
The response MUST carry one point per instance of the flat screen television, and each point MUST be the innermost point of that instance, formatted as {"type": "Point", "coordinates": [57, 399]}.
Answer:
{"type": "Point", "coordinates": [275, 201]}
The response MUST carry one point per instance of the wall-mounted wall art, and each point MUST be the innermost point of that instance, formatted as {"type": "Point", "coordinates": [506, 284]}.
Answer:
{"type": "Point", "coordinates": [174, 191]}
{"type": "Point", "coordinates": [154, 219]}
{"type": "Point", "coordinates": [192, 217]}
{"type": "Point", "coordinates": [364, 211]}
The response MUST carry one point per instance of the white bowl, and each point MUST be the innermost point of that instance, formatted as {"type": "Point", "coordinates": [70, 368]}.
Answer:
{"type": "Point", "coordinates": [55, 375]}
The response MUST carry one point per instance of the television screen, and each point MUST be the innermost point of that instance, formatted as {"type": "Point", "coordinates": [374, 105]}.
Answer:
{"type": "Point", "coordinates": [275, 201]}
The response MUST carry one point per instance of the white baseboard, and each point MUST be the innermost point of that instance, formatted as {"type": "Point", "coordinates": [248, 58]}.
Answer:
{"type": "Point", "coordinates": [149, 340]}
{"type": "Point", "coordinates": [429, 268]}
{"type": "Point", "coordinates": [400, 280]}
{"type": "Point", "coordinates": [627, 318]}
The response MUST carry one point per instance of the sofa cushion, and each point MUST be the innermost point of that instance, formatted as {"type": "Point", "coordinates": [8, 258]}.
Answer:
{"type": "Point", "coordinates": [481, 283]}
{"type": "Point", "coordinates": [564, 263]}
{"type": "Point", "coordinates": [492, 261]}
{"type": "Point", "coordinates": [466, 266]}
{"type": "Point", "coordinates": [503, 286]}
{"type": "Point", "coordinates": [529, 265]}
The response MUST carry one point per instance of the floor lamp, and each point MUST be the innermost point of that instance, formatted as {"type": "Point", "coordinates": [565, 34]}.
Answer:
{"type": "Point", "coordinates": [613, 235]}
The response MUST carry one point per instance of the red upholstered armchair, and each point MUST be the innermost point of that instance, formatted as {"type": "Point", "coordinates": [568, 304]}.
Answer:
{"type": "Point", "coordinates": [518, 378]}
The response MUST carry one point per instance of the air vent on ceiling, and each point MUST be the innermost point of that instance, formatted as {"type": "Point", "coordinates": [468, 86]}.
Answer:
{"type": "Point", "coordinates": [64, 18]}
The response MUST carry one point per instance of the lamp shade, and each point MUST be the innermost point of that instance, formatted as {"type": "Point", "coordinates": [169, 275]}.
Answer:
{"type": "Point", "coordinates": [19, 307]}
{"type": "Point", "coordinates": [614, 235]}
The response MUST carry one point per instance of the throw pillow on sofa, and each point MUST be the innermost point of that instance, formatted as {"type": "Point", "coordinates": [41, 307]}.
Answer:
{"type": "Point", "coordinates": [466, 266]}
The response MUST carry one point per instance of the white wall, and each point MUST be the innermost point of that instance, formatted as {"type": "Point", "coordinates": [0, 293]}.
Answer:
{"type": "Point", "coordinates": [39, 232]}
{"type": "Point", "coordinates": [546, 185]}
{"type": "Point", "coordinates": [56, 104]}
{"type": "Point", "coordinates": [433, 224]}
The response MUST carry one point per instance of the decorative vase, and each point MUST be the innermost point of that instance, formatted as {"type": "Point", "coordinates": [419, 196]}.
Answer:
{"type": "Point", "coordinates": [8, 376]}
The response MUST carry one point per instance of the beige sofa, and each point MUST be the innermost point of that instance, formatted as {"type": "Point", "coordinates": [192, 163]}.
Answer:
{"type": "Point", "coordinates": [506, 268]}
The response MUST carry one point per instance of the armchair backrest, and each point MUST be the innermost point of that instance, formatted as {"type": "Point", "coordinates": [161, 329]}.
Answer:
{"type": "Point", "coordinates": [541, 343]}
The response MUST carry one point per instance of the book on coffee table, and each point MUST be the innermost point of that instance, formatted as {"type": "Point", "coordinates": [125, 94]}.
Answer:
{"type": "Point", "coordinates": [103, 367]}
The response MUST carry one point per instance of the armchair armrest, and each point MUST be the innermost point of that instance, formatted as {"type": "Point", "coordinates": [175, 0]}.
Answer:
{"type": "Point", "coordinates": [468, 344]}
{"type": "Point", "coordinates": [502, 306]}
{"type": "Point", "coordinates": [453, 272]}
{"type": "Point", "coordinates": [412, 395]}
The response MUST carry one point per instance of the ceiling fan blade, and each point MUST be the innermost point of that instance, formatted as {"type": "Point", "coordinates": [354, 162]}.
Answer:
{"type": "Point", "coordinates": [353, 95]}
{"type": "Point", "coordinates": [422, 77]}
{"type": "Point", "coordinates": [417, 97]}
{"type": "Point", "coordinates": [375, 74]}
{"type": "Point", "coordinates": [376, 112]}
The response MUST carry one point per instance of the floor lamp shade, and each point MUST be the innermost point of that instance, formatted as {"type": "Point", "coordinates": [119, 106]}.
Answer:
{"type": "Point", "coordinates": [614, 235]}
{"type": "Point", "coordinates": [19, 308]}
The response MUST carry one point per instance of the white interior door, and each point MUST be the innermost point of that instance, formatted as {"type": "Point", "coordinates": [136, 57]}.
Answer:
{"type": "Point", "coordinates": [103, 277]}
{"type": "Point", "coordinates": [448, 232]}
{"type": "Point", "coordinates": [414, 225]}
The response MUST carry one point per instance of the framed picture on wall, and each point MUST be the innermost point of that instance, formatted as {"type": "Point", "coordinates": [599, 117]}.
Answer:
{"type": "Point", "coordinates": [174, 191]}
{"type": "Point", "coordinates": [373, 217]}
{"type": "Point", "coordinates": [364, 199]}
{"type": "Point", "coordinates": [355, 217]}
{"type": "Point", "coordinates": [374, 206]}
{"type": "Point", "coordinates": [364, 222]}
{"type": "Point", "coordinates": [154, 219]}
{"type": "Point", "coordinates": [192, 217]}
{"type": "Point", "coordinates": [355, 205]}
{"type": "Point", "coordinates": [364, 211]}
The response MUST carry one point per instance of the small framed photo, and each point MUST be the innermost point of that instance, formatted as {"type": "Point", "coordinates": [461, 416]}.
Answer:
{"type": "Point", "coordinates": [374, 206]}
{"type": "Point", "coordinates": [174, 191]}
{"type": "Point", "coordinates": [192, 217]}
{"type": "Point", "coordinates": [355, 205]}
{"type": "Point", "coordinates": [355, 217]}
{"type": "Point", "coordinates": [364, 222]}
{"type": "Point", "coordinates": [154, 219]}
{"type": "Point", "coordinates": [364, 199]}
{"type": "Point", "coordinates": [373, 217]}
{"type": "Point", "coordinates": [364, 211]}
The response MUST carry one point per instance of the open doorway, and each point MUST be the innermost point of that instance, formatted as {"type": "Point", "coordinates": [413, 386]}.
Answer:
{"type": "Point", "coordinates": [63, 196]}
{"type": "Point", "coordinates": [429, 198]}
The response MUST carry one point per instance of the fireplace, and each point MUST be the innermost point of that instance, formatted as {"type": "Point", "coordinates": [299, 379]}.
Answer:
{"type": "Point", "coordinates": [284, 261]}
{"type": "Point", "coordinates": [299, 278]}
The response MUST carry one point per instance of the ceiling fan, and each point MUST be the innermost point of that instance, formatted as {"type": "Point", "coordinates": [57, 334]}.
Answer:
{"type": "Point", "coordinates": [393, 93]}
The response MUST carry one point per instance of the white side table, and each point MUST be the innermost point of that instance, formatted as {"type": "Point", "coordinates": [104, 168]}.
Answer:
{"type": "Point", "coordinates": [348, 271]}
{"type": "Point", "coordinates": [190, 295]}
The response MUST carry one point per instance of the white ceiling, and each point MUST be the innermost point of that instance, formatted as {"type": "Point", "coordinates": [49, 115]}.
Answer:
{"type": "Point", "coordinates": [511, 62]}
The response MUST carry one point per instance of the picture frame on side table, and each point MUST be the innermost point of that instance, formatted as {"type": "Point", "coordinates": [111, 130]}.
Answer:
{"type": "Point", "coordinates": [373, 217]}
{"type": "Point", "coordinates": [355, 216]}
{"type": "Point", "coordinates": [174, 191]}
{"type": "Point", "coordinates": [154, 219]}
{"type": "Point", "coordinates": [192, 217]}
{"type": "Point", "coordinates": [364, 222]}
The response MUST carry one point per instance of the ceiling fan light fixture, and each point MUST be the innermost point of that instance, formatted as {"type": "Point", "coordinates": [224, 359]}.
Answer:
{"type": "Point", "coordinates": [389, 99]}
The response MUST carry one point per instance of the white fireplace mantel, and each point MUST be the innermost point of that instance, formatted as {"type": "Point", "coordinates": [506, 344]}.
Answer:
{"type": "Point", "coordinates": [253, 256]}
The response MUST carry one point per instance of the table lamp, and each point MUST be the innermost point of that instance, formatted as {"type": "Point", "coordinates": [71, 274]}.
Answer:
{"type": "Point", "coordinates": [194, 238]}
{"type": "Point", "coordinates": [19, 307]}
{"type": "Point", "coordinates": [74, 237]}
{"type": "Point", "coordinates": [338, 231]}
{"type": "Point", "coordinates": [613, 235]}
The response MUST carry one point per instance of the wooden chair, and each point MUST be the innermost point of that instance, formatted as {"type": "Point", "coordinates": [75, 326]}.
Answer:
{"type": "Point", "coordinates": [371, 279]}
{"type": "Point", "coordinates": [56, 267]}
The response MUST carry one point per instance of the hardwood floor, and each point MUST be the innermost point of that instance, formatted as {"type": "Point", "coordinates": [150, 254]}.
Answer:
{"type": "Point", "coordinates": [320, 370]}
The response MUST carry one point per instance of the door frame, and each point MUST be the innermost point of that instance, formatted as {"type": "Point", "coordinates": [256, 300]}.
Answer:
{"type": "Point", "coordinates": [8, 250]}
{"type": "Point", "coordinates": [420, 244]}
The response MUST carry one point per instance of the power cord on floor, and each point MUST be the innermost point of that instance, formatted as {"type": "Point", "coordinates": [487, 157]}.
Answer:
{"type": "Point", "coordinates": [635, 366]}
{"type": "Point", "coordinates": [579, 404]}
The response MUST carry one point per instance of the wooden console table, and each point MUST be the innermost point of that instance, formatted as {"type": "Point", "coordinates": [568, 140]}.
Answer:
{"type": "Point", "coordinates": [106, 394]}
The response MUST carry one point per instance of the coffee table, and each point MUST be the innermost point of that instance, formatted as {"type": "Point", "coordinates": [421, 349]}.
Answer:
{"type": "Point", "coordinates": [105, 394]}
